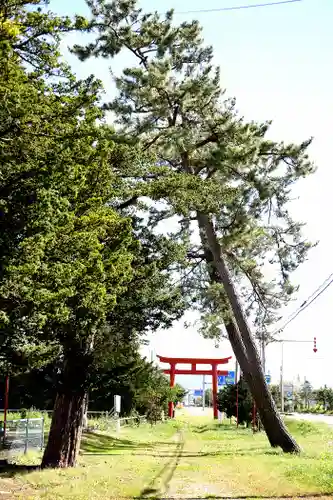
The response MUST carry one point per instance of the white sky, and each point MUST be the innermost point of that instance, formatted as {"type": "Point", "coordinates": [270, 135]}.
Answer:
{"type": "Point", "coordinates": [277, 61]}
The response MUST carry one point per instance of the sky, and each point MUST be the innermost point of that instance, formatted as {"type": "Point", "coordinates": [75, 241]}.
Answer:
{"type": "Point", "coordinates": [277, 62]}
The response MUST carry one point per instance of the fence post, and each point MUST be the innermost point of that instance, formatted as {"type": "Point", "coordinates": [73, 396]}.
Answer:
{"type": "Point", "coordinates": [117, 424]}
{"type": "Point", "coordinates": [42, 435]}
{"type": "Point", "coordinates": [26, 435]}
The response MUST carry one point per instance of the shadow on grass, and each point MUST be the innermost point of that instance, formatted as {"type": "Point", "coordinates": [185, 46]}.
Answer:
{"type": "Point", "coordinates": [244, 497]}
{"type": "Point", "coordinates": [216, 427]}
{"type": "Point", "coordinates": [95, 443]}
{"type": "Point", "coordinates": [203, 454]}
{"type": "Point", "coordinates": [200, 454]}
{"type": "Point", "coordinates": [9, 470]}
{"type": "Point", "coordinates": [164, 476]}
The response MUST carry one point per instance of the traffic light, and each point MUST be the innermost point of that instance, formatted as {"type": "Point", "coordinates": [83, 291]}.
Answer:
{"type": "Point", "coordinates": [315, 344]}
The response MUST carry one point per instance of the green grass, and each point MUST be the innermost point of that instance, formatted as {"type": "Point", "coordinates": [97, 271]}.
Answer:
{"type": "Point", "coordinates": [27, 414]}
{"type": "Point", "coordinates": [193, 458]}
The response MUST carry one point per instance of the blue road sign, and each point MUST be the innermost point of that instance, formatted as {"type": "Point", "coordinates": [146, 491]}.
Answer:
{"type": "Point", "coordinates": [197, 393]}
{"type": "Point", "coordinates": [226, 379]}
{"type": "Point", "coordinates": [268, 379]}
{"type": "Point", "coordinates": [230, 378]}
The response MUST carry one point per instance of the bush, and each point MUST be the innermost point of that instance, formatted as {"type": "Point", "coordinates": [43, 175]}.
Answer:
{"type": "Point", "coordinates": [31, 413]}
{"type": "Point", "coordinates": [226, 402]}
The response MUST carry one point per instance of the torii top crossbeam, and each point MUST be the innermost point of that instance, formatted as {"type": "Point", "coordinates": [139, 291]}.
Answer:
{"type": "Point", "coordinates": [197, 361]}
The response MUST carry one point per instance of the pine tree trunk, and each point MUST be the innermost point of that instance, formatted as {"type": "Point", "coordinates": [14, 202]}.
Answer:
{"type": "Point", "coordinates": [66, 430]}
{"type": "Point", "coordinates": [276, 431]}
{"type": "Point", "coordinates": [245, 349]}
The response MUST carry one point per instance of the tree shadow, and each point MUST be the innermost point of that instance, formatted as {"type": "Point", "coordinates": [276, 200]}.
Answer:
{"type": "Point", "coordinates": [253, 497]}
{"type": "Point", "coordinates": [9, 470]}
{"type": "Point", "coordinates": [244, 497]}
{"type": "Point", "coordinates": [164, 476]}
{"type": "Point", "coordinates": [218, 453]}
{"type": "Point", "coordinates": [94, 443]}
{"type": "Point", "coordinates": [200, 429]}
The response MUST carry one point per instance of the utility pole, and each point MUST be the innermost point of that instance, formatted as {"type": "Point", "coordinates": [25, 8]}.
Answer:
{"type": "Point", "coordinates": [281, 380]}
{"type": "Point", "coordinates": [314, 342]}
{"type": "Point", "coordinates": [203, 392]}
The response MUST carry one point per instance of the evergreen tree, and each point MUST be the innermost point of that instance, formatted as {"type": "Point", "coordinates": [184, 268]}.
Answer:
{"type": "Point", "coordinates": [68, 246]}
{"type": "Point", "coordinates": [227, 402]}
{"type": "Point", "coordinates": [306, 393]}
{"type": "Point", "coordinates": [276, 394]}
{"type": "Point", "coordinates": [324, 396]}
{"type": "Point", "coordinates": [137, 381]}
{"type": "Point", "coordinates": [208, 397]}
{"type": "Point", "coordinates": [212, 168]}
{"type": "Point", "coordinates": [66, 253]}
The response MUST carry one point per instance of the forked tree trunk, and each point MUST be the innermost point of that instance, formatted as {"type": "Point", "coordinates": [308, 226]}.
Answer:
{"type": "Point", "coordinates": [66, 430]}
{"type": "Point", "coordinates": [244, 346]}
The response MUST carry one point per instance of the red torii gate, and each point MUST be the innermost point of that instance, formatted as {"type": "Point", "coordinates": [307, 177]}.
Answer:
{"type": "Point", "coordinates": [173, 371]}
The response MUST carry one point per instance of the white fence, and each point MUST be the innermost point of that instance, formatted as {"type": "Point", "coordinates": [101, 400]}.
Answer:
{"type": "Point", "coordinates": [113, 422]}
{"type": "Point", "coordinates": [22, 434]}
{"type": "Point", "coordinates": [96, 420]}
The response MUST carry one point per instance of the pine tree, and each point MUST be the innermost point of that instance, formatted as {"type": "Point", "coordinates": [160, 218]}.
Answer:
{"type": "Point", "coordinates": [228, 399]}
{"type": "Point", "coordinates": [213, 168]}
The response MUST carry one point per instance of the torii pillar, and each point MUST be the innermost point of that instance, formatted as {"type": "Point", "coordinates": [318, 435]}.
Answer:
{"type": "Point", "coordinates": [214, 372]}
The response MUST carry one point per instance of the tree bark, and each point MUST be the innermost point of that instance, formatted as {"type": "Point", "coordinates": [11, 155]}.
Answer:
{"type": "Point", "coordinates": [66, 431]}
{"type": "Point", "coordinates": [276, 431]}
{"type": "Point", "coordinates": [65, 434]}
{"type": "Point", "coordinates": [244, 346]}
{"type": "Point", "coordinates": [85, 413]}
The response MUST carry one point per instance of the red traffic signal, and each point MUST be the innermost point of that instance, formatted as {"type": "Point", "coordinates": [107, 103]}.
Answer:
{"type": "Point", "coordinates": [315, 344]}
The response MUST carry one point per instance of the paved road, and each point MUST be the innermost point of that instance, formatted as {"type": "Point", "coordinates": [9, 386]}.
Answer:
{"type": "Point", "coordinates": [197, 411]}
{"type": "Point", "coordinates": [327, 419]}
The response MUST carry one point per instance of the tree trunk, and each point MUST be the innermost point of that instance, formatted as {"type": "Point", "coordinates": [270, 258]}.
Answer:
{"type": "Point", "coordinates": [85, 413]}
{"type": "Point", "coordinates": [244, 346]}
{"type": "Point", "coordinates": [65, 435]}
{"type": "Point", "coordinates": [276, 431]}
{"type": "Point", "coordinates": [66, 430]}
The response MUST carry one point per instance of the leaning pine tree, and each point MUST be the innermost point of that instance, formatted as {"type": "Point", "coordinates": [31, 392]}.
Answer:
{"type": "Point", "coordinates": [214, 170]}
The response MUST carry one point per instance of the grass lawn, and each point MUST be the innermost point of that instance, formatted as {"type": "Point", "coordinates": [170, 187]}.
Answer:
{"type": "Point", "coordinates": [189, 458]}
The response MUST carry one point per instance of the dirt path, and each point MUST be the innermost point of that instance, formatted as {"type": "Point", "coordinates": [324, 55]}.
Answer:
{"type": "Point", "coordinates": [10, 490]}
{"type": "Point", "coordinates": [169, 483]}
{"type": "Point", "coordinates": [205, 464]}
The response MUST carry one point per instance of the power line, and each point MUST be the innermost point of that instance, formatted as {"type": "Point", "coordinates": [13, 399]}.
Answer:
{"type": "Point", "coordinates": [304, 306]}
{"type": "Point", "coordinates": [317, 290]}
{"type": "Point", "coordinates": [321, 289]}
{"type": "Point", "coordinates": [238, 7]}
